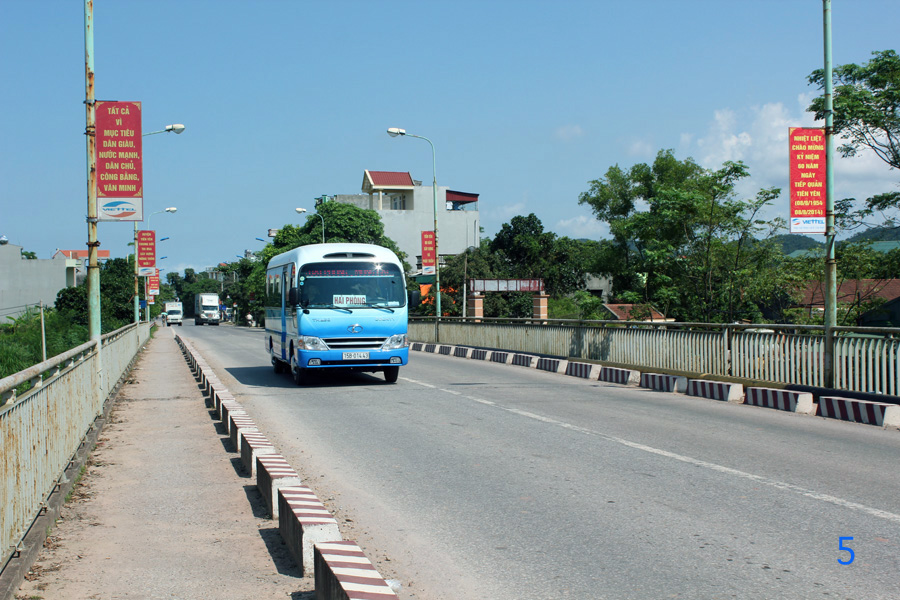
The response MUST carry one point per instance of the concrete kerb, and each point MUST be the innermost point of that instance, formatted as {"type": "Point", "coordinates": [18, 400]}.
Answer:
{"type": "Point", "coordinates": [664, 383]}
{"type": "Point", "coordinates": [620, 376]}
{"type": "Point", "coordinates": [716, 390]}
{"type": "Point", "coordinates": [303, 521]}
{"type": "Point", "coordinates": [253, 445]}
{"type": "Point", "coordinates": [343, 571]}
{"type": "Point", "coordinates": [272, 473]}
{"type": "Point", "coordinates": [583, 370]}
{"type": "Point", "coordinates": [860, 411]}
{"type": "Point", "coordinates": [798, 402]}
{"type": "Point", "coordinates": [237, 422]}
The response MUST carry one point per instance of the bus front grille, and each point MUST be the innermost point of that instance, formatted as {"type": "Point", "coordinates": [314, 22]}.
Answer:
{"type": "Point", "coordinates": [355, 343]}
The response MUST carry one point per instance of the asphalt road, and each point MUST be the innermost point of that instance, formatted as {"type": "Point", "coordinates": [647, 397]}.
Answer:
{"type": "Point", "coordinates": [475, 480]}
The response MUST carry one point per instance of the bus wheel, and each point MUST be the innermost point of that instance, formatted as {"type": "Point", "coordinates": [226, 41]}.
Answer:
{"type": "Point", "coordinates": [300, 376]}
{"type": "Point", "coordinates": [391, 374]}
{"type": "Point", "coordinates": [277, 365]}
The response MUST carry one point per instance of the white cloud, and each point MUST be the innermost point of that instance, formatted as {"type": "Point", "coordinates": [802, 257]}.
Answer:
{"type": "Point", "coordinates": [641, 148]}
{"type": "Point", "coordinates": [758, 136]}
{"type": "Point", "coordinates": [582, 226]}
{"type": "Point", "coordinates": [567, 133]}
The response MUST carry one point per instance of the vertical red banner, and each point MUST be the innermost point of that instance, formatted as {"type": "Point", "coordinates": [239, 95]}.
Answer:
{"type": "Point", "coordinates": [808, 181]}
{"type": "Point", "coordinates": [120, 172]}
{"type": "Point", "coordinates": [429, 258]}
{"type": "Point", "coordinates": [146, 249]}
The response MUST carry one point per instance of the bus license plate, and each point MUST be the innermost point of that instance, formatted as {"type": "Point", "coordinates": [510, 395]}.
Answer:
{"type": "Point", "coordinates": [356, 355]}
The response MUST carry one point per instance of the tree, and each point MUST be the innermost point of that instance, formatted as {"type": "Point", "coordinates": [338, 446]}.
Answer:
{"type": "Point", "coordinates": [866, 103]}
{"type": "Point", "coordinates": [682, 241]}
{"type": "Point", "coordinates": [116, 296]}
{"type": "Point", "coordinates": [524, 250]}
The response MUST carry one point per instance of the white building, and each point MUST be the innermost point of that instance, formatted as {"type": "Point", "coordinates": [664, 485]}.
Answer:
{"type": "Point", "coordinates": [407, 208]}
{"type": "Point", "coordinates": [28, 282]}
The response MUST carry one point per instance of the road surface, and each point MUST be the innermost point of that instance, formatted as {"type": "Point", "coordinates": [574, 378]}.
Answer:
{"type": "Point", "coordinates": [478, 480]}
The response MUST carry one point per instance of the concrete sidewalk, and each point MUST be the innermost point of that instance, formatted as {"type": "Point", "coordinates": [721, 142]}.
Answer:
{"type": "Point", "coordinates": [163, 509]}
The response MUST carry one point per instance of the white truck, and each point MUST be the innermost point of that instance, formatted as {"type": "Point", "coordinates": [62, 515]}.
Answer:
{"type": "Point", "coordinates": [174, 314]}
{"type": "Point", "coordinates": [206, 309]}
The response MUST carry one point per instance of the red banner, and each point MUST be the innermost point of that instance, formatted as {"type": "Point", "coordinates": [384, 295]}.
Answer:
{"type": "Point", "coordinates": [429, 258]}
{"type": "Point", "coordinates": [146, 248]}
{"type": "Point", "coordinates": [153, 285]}
{"type": "Point", "coordinates": [807, 166]}
{"type": "Point", "coordinates": [118, 154]}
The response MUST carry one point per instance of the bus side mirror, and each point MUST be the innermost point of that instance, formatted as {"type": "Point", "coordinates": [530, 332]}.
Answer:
{"type": "Point", "coordinates": [293, 296]}
{"type": "Point", "coordinates": [414, 298]}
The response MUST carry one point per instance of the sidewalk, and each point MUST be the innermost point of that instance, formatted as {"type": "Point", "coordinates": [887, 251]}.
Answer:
{"type": "Point", "coordinates": [163, 509]}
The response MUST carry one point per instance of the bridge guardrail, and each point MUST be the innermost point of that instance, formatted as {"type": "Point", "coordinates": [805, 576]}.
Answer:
{"type": "Point", "coordinates": [42, 430]}
{"type": "Point", "coordinates": [866, 359]}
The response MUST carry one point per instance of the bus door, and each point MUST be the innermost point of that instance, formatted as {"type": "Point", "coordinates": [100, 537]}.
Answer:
{"type": "Point", "coordinates": [285, 285]}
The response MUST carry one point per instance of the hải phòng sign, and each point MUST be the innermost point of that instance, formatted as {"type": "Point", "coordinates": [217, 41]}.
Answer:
{"type": "Point", "coordinates": [807, 166]}
{"type": "Point", "coordinates": [120, 179]}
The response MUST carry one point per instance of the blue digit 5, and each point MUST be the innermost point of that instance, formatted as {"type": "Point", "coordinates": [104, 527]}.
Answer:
{"type": "Point", "coordinates": [844, 548]}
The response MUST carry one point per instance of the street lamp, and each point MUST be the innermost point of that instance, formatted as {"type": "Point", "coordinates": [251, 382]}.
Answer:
{"type": "Point", "coordinates": [394, 132]}
{"type": "Point", "coordinates": [303, 210]}
{"type": "Point", "coordinates": [176, 128]}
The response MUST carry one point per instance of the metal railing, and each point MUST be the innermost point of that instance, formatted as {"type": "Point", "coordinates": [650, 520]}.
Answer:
{"type": "Point", "coordinates": [865, 359]}
{"type": "Point", "coordinates": [41, 431]}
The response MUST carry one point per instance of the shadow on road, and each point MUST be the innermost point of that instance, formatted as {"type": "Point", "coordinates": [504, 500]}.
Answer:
{"type": "Point", "coordinates": [265, 377]}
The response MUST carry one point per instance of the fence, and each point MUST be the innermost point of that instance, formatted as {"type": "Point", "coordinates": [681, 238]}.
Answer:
{"type": "Point", "coordinates": [41, 431]}
{"type": "Point", "coordinates": [865, 359]}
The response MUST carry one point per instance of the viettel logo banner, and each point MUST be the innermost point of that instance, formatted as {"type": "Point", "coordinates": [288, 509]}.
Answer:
{"type": "Point", "coordinates": [118, 209]}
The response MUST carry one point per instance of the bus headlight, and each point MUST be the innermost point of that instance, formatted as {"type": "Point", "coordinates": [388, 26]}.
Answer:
{"type": "Point", "coordinates": [396, 342]}
{"type": "Point", "coordinates": [308, 342]}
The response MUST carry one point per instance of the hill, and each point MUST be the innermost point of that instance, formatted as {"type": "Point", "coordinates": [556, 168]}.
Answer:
{"type": "Point", "coordinates": [792, 242]}
{"type": "Point", "coordinates": [876, 234]}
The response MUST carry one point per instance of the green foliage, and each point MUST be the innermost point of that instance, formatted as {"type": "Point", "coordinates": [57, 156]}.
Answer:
{"type": "Point", "coordinates": [684, 243]}
{"type": "Point", "coordinates": [580, 305]}
{"type": "Point", "coordinates": [866, 103]}
{"type": "Point", "coordinates": [20, 339]}
{"type": "Point", "coordinates": [116, 296]}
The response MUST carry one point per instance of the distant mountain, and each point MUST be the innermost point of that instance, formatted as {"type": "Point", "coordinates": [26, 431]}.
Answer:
{"type": "Point", "coordinates": [792, 242]}
{"type": "Point", "coordinates": [877, 234]}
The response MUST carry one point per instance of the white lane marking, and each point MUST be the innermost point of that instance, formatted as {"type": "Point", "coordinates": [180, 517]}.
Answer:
{"type": "Point", "coordinates": [875, 512]}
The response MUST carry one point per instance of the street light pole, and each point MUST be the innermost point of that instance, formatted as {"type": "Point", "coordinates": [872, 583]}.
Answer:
{"type": "Point", "coordinates": [93, 271]}
{"type": "Point", "coordinates": [303, 210]}
{"type": "Point", "coordinates": [394, 132]}
{"type": "Point", "coordinates": [137, 310]}
{"type": "Point", "coordinates": [176, 128]}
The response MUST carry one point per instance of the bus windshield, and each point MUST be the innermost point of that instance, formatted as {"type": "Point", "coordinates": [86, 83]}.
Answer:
{"type": "Point", "coordinates": [351, 285]}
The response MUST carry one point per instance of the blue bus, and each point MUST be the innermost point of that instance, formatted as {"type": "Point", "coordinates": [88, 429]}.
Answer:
{"type": "Point", "coordinates": [337, 306]}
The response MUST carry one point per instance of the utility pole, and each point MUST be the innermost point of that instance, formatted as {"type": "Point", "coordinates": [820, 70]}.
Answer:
{"type": "Point", "coordinates": [90, 132]}
{"type": "Point", "coordinates": [830, 262]}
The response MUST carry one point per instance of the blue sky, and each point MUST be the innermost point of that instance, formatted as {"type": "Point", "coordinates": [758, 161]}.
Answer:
{"type": "Point", "coordinates": [526, 103]}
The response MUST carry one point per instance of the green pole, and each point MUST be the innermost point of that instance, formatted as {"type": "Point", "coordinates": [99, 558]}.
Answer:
{"type": "Point", "coordinates": [830, 262]}
{"type": "Point", "coordinates": [93, 274]}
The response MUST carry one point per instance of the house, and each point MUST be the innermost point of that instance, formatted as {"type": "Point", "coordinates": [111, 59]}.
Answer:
{"type": "Point", "coordinates": [857, 292]}
{"type": "Point", "coordinates": [850, 291]}
{"type": "Point", "coordinates": [82, 257]}
{"type": "Point", "coordinates": [407, 208]}
{"type": "Point", "coordinates": [635, 312]}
